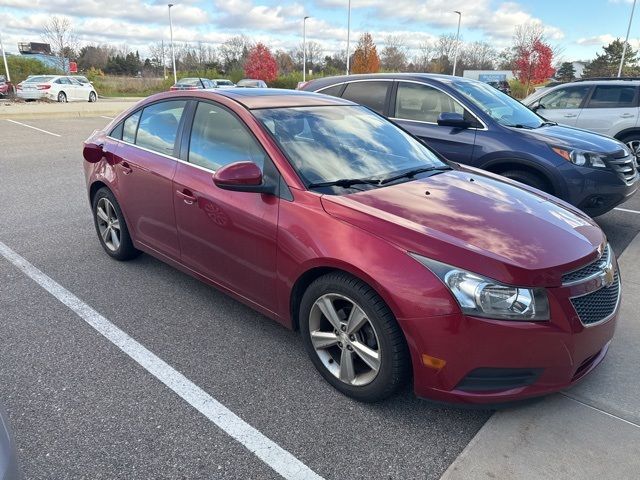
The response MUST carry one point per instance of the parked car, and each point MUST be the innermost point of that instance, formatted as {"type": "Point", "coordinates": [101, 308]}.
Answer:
{"type": "Point", "coordinates": [192, 84]}
{"type": "Point", "coordinates": [609, 106]}
{"type": "Point", "coordinates": [56, 87]}
{"type": "Point", "coordinates": [501, 85]}
{"type": "Point", "coordinates": [391, 261]}
{"type": "Point", "coordinates": [9, 469]}
{"type": "Point", "coordinates": [5, 87]}
{"type": "Point", "coordinates": [250, 83]}
{"type": "Point", "coordinates": [222, 83]}
{"type": "Point", "coordinates": [471, 122]}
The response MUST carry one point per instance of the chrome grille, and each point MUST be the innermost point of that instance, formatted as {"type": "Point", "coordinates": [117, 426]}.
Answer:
{"type": "Point", "coordinates": [598, 306]}
{"type": "Point", "coordinates": [593, 269]}
{"type": "Point", "coordinates": [625, 167]}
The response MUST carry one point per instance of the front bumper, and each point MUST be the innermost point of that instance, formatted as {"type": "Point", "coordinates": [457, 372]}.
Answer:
{"type": "Point", "coordinates": [495, 361]}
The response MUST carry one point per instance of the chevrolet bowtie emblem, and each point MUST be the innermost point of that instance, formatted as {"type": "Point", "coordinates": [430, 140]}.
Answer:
{"type": "Point", "coordinates": [608, 276]}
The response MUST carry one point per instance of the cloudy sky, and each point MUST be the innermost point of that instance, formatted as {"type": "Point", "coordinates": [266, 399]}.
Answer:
{"type": "Point", "coordinates": [579, 27]}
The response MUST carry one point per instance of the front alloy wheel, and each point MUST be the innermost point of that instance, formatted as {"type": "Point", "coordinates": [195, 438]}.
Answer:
{"type": "Point", "coordinates": [111, 226]}
{"type": "Point", "coordinates": [108, 224]}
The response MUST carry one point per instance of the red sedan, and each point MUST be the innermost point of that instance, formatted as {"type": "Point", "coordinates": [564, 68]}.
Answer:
{"type": "Point", "coordinates": [392, 262]}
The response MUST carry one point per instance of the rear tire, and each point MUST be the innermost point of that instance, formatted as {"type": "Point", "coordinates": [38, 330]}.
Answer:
{"type": "Point", "coordinates": [531, 179]}
{"type": "Point", "coordinates": [361, 351]}
{"type": "Point", "coordinates": [111, 227]}
{"type": "Point", "coordinates": [62, 97]}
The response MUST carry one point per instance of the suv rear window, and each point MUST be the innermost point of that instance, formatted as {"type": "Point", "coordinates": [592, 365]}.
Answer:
{"type": "Point", "coordinates": [613, 96]}
{"type": "Point", "coordinates": [369, 94]}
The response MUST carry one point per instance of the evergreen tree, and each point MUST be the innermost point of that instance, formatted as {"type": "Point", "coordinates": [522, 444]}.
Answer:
{"type": "Point", "coordinates": [566, 72]}
{"type": "Point", "coordinates": [607, 64]}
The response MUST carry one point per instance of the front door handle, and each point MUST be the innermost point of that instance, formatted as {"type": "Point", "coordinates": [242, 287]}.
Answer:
{"type": "Point", "coordinates": [186, 196]}
{"type": "Point", "coordinates": [126, 168]}
{"type": "Point", "coordinates": [627, 115]}
{"type": "Point", "coordinates": [570, 115]}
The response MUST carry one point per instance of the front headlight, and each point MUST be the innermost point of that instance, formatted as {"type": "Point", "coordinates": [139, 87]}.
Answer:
{"type": "Point", "coordinates": [483, 297]}
{"type": "Point", "coordinates": [581, 157]}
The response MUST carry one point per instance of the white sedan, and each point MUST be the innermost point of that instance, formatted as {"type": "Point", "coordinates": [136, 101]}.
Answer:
{"type": "Point", "coordinates": [56, 87]}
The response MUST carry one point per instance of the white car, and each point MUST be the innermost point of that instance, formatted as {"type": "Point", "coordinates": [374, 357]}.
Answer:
{"type": "Point", "coordinates": [222, 83]}
{"type": "Point", "coordinates": [56, 87]}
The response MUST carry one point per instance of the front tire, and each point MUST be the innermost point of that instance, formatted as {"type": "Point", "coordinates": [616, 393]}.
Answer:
{"type": "Point", "coordinates": [111, 227]}
{"type": "Point", "coordinates": [92, 97]}
{"type": "Point", "coordinates": [633, 142]}
{"type": "Point", "coordinates": [62, 97]}
{"type": "Point", "coordinates": [353, 338]}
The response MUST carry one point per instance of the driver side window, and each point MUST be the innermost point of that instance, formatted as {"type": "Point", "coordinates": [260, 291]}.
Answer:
{"type": "Point", "coordinates": [570, 97]}
{"type": "Point", "coordinates": [423, 103]}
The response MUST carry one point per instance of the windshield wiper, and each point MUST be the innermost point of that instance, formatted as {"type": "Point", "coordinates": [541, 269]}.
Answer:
{"type": "Point", "coordinates": [346, 182]}
{"type": "Point", "coordinates": [412, 173]}
{"type": "Point", "coordinates": [519, 125]}
{"type": "Point", "coordinates": [548, 124]}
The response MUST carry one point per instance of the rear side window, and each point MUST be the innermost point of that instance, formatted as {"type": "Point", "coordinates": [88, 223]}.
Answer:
{"type": "Point", "coordinates": [423, 103]}
{"type": "Point", "coordinates": [117, 131]}
{"type": "Point", "coordinates": [570, 97]}
{"type": "Point", "coordinates": [218, 138]}
{"type": "Point", "coordinates": [613, 96]}
{"type": "Point", "coordinates": [159, 126]}
{"type": "Point", "coordinates": [369, 94]}
{"type": "Point", "coordinates": [333, 91]}
{"type": "Point", "coordinates": [130, 127]}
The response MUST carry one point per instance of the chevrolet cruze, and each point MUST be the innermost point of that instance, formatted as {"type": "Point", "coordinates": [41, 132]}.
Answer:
{"type": "Point", "coordinates": [391, 262]}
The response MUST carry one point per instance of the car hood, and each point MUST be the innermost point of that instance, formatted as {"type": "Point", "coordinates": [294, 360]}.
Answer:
{"type": "Point", "coordinates": [569, 137]}
{"type": "Point", "coordinates": [477, 222]}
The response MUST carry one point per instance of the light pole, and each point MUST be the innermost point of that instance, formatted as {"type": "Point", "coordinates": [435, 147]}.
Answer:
{"type": "Point", "coordinates": [348, 33]}
{"type": "Point", "coordinates": [173, 54]}
{"type": "Point", "coordinates": [626, 40]}
{"type": "Point", "coordinates": [304, 49]}
{"type": "Point", "coordinates": [4, 57]}
{"type": "Point", "coordinates": [455, 56]}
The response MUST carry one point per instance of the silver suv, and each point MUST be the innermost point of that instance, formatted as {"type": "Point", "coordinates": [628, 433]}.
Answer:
{"type": "Point", "coordinates": [609, 106]}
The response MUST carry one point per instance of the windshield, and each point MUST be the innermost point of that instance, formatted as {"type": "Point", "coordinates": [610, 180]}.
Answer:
{"type": "Point", "coordinates": [189, 81]}
{"type": "Point", "coordinates": [499, 106]}
{"type": "Point", "coordinates": [331, 143]}
{"type": "Point", "coordinates": [224, 82]}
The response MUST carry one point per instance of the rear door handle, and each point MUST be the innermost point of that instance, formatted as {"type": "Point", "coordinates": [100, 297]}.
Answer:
{"type": "Point", "coordinates": [186, 196]}
{"type": "Point", "coordinates": [570, 115]}
{"type": "Point", "coordinates": [627, 115]}
{"type": "Point", "coordinates": [126, 168]}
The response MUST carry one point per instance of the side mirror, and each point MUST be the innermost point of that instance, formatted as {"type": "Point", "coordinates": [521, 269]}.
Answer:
{"type": "Point", "coordinates": [93, 152]}
{"type": "Point", "coordinates": [242, 177]}
{"type": "Point", "coordinates": [451, 119]}
{"type": "Point", "coordinates": [537, 107]}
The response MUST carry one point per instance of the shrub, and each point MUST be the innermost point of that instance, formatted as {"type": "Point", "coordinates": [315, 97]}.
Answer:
{"type": "Point", "coordinates": [21, 67]}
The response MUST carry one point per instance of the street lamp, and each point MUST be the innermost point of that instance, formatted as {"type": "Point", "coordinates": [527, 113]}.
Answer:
{"type": "Point", "coordinates": [455, 56]}
{"type": "Point", "coordinates": [4, 57]}
{"type": "Point", "coordinates": [626, 40]}
{"type": "Point", "coordinates": [173, 54]}
{"type": "Point", "coordinates": [304, 49]}
{"type": "Point", "coordinates": [348, 33]}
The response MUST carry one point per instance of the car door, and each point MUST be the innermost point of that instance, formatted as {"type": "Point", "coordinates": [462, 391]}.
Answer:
{"type": "Point", "coordinates": [563, 105]}
{"type": "Point", "coordinates": [229, 237]}
{"type": "Point", "coordinates": [417, 106]}
{"type": "Point", "coordinates": [610, 109]}
{"type": "Point", "coordinates": [80, 91]}
{"type": "Point", "coordinates": [145, 164]}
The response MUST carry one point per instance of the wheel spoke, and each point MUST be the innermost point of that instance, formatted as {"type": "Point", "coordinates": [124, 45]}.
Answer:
{"type": "Point", "coordinates": [114, 239]}
{"type": "Point", "coordinates": [357, 318]}
{"type": "Point", "coordinates": [109, 210]}
{"type": "Point", "coordinates": [322, 340]}
{"type": "Point", "coordinates": [116, 225]}
{"type": "Point", "coordinates": [105, 233]}
{"type": "Point", "coordinates": [102, 214]}
{"type": "Point", "coordinates": [347, 371]}
{"type": "Point", "coordinates": [328, 310]}
{"type": "Point", "coordinates": [368, 356]}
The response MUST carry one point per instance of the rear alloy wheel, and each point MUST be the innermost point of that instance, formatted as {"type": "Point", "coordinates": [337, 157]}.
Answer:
{"type": "Point", "coordinates": [528, 178]}
{"type": "Point", "coordinates": [353, 338]}
{"type": "Point", "coordinates": [111, 226]}
{"type": "Point", "coordinates": [92, 97]}
{"type": "Point", "coordinates": [62, 97]}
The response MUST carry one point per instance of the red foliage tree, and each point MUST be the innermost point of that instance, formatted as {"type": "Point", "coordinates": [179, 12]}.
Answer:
{"type": "Point", "coordinates": [260, 64]}
{"type": "Point", "coordinates": [532, 64]}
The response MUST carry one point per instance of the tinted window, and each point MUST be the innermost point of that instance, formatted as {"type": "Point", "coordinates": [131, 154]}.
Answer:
{"type": "Point", "coordinates": [369, 94]}
{"type": "Point", "coordinates": [613, 96]}
{"type": "Point", "coordinates": [159, 126]}
{"type": "Point", "coordinates": [117, 132]}
{"type": "Point", "coordinates": [130, 127]}
{"type": "Point", "coordinates": [423, 103]}
{"type": "Point", "coordinates": [570, 97]}
{"type": "Point", "coordinates": [333, 91]}
{"type": "Point", "coordinates": [218, 138]}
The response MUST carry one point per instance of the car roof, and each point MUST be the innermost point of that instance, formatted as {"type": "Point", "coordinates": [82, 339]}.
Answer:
{"type": "Point", "coordinates": [326, 81]}
{"type": "Point", "coordinates": [256, 98]}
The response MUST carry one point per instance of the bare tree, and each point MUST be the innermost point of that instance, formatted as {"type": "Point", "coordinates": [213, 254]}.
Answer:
{"type": "Point", "coordinates": [58, 33]}
{"type": "Point", "coordinates": [234, 51]}
{"type": "Point", "coordinates": [394, 54]}
{"type": "Point", "coordinates": [426, 52]}
{"type": "Point", "coordinates": [478, 56]}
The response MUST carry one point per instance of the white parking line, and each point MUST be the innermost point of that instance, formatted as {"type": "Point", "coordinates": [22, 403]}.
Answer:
{"type": "Point", "coordinates": [265, 449]}
{"type": "Point", "coordinates": [35, 128]}
{"type": "Point", "coordinates": [626, 210]}
{"type": "Point", "coordinates": [108, 118]}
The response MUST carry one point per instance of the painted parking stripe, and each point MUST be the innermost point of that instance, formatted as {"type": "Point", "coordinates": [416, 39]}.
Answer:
{"type": "Point", "coordinates": [279, 459]}
{"type": "Point", "coordinates": [627, 210]}
{"type": "Point", "coordinates": [108, 118]}
{"type": "Point", "coordinates": [35, 128]}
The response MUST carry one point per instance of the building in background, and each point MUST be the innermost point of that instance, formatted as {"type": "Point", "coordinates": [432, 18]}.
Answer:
{"type": "Point", "coordinates": [42, 53]}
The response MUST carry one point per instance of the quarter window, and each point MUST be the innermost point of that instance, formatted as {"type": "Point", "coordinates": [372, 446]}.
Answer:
{"type": "Point", "coordinates": [159, 126]}
{"type": "Point", "coordinates": [369, 94]}
{"type": "Point", "coordinates": [130, 127]}
{"type": "Point", "coordinates": [219, 138]}
{"type": "Point", "coordinates": [333, 91]}
{"type": "Point", "coordinates": [563, 98]}
{"type": "Point", "coordinates": [613, 96]}
{"type": "Point", "coordinates": [423, 103]}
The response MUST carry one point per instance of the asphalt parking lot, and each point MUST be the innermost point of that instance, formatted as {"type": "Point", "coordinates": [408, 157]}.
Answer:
{"type": "Point", "coordinates": [81, 408]}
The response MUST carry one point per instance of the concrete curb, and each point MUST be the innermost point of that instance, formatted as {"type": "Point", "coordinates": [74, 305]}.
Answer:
{"type": "Point", "coordinates": [558, 437]}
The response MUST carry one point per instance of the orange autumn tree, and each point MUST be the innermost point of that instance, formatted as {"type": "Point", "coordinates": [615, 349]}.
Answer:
{"type": "Point", "coordinates": [365, 58]}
